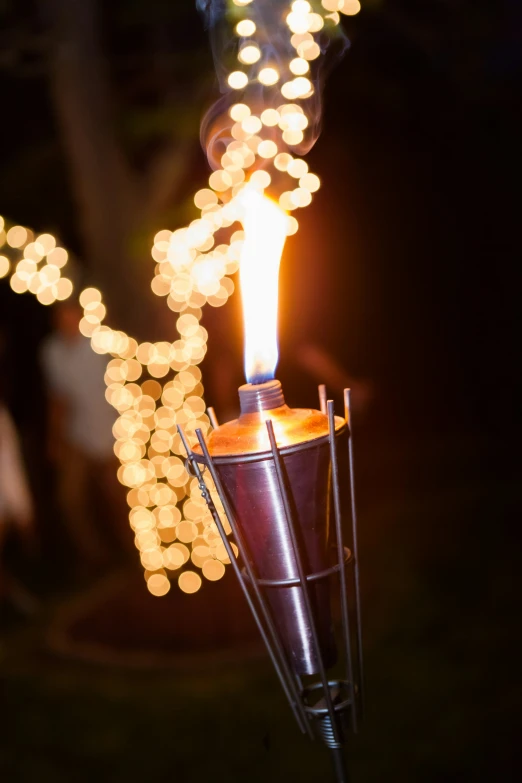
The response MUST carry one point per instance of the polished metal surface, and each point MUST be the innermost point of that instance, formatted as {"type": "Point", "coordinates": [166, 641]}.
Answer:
{"type": "Point", "coordinates": [248, 474]}
{"type": "Point", "coordinates": [246, 438]}
{"type": "Point", "coordinates": [258, 607]}
{"type": "Point", "coordinates": [254, 495]}
{"type": "Point", "coordinates": [257, 397]}
{"type": "Point", "coordinates": [280, 462]}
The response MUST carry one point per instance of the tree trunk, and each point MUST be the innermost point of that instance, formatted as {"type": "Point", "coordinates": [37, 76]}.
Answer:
{"type": "Point", "coordinates": [112, 214]}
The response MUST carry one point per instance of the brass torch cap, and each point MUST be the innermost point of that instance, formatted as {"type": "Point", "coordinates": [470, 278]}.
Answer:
{"type": "Point", "coordinates": [247, 437]}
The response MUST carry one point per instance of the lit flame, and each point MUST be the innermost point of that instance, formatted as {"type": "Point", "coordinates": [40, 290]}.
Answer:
{"type": "Point", "coordinates": [265, 226]}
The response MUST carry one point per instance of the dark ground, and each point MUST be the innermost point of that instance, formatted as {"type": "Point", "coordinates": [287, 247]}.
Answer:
{"type": "Point", "coordinates": [441, 632]}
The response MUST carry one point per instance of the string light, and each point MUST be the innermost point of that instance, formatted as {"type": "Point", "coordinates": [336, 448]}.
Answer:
{"type": "Point", "coordinates": [156, 386]}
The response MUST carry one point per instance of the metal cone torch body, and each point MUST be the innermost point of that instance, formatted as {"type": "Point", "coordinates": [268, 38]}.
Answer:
{"type": "Point", "coordinates": [276, 473]}
{"type": "Point", "coordinates": [242, 455]}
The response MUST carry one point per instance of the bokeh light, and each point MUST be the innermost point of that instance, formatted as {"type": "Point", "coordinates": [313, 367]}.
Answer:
{"type": "Point", "coordinates": [157, 386]}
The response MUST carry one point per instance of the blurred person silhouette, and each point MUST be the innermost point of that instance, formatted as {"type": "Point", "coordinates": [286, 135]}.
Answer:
{"type": "Point", "coordinates": [80, 441]}
{"type": "Point", "coordinates": [16, 510]}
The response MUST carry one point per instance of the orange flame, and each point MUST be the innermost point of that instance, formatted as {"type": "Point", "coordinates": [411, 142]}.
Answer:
{"type": "Point", "coordinates": [265, 226]}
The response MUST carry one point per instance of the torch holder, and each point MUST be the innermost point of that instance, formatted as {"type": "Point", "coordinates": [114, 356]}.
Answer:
{"type": "Point", "coordinates": [323, 707]}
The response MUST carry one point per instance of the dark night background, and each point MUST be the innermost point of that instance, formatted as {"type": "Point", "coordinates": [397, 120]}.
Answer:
{"type": "Point", "coordinates": [405, 268]}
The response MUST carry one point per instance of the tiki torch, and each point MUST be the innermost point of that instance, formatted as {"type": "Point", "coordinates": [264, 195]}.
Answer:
{"type": "Point", "coordinates": [275, 470]}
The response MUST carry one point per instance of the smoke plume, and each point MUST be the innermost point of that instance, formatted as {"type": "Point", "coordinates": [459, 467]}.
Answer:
{"type": "Point", "coordinates": [276, 43]}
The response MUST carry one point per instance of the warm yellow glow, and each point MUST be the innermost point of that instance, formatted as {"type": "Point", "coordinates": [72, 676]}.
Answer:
{"type": "Point", "coordinates": [265, 233]}
{"type": "Point", "coordinates": [17, 236]}
{"type": "Point", "coordinates": [316, 23]}
{"type": "Point", "coordinates": [268, 76]}
{"type": "Point", "coordinates": [332, 5]}
{"type": "Point", "coordinates": [260, 179]}
{"type": "Point", "coordinates": [4, 266]}
{"type": "Point", "coordinates": [292, 137]}
{"type": "Point", "coordinates": [237, 80]}
{"type": "Point", "coordinates": [249, 54]}
{"type": "Point", "coordinates": [300, 87]}
{"type": "Point", "coordinates": [298, 22]}
{"type": "Point", "coordinates": [310, 182]}
{"type": "Point", "coordinates": [246, 27]}
{"type": "Point", "coordinates": [251, 124]}
{"type": "Point", "coordinates": [213, 570]}
{"type": "Point", "coordinates": [297, 168]}
{"type": "Point", "coordinates": [204, 198]}
{"type": "Point", "coordinates": [239, 111]}
{"type": "Point", "coordinates": [267, 149]}
{"type": "Point", "coordinates": [309, 50]}
{"type": "Point", "coordinates": [270, 117]}
{"type": "Point", "coordinates": [349, 7]}
{"type": "Point", "coordinates": [299, 66]}
{"type": "Point", "coordinates": [189, 581]}
{"type": "Point", "coordinates": [156, 386]}
{"type": "Point", "coordinates": [282, 161]}
{"type": "Point", "coordinates": [158, 584]}
{"type": "Point", "coordinates": [220, 180]}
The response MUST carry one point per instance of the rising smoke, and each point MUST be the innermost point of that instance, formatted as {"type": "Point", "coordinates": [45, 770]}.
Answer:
{"type": "Point", "coordinates": [273, 38]}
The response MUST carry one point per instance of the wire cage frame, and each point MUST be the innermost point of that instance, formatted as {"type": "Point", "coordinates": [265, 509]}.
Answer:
{"type": "Point", "coordinates": [339, 703]}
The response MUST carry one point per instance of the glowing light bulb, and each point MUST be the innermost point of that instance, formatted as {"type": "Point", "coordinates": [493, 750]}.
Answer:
{"type": "Point", "coordinates": [293, 137]}
{"type": "Point", "coordinates": [331, 5]}
{"type": "Point", "coordinates": [249, 54]}
{"type": "Point", "coordinates": [309, 50]}
{"type": "Point", "coordinates": [4, 266]}
{"type": "Point", "coordinates": [270, 117]}
{"type": "Point", "coordinates": [282, 161]}
{"type": "Point", "coordinates": [310, 182]}
{"type": "Point", "coordinates": [260, 179]}
{"type": "Point", "coordinates": [267, 149]}
{"type": "Point", "coordinates": [189, 581]}
{"type": "Point", "coordinates": [316, 23]}
{"type": "Point", "coordinates": [245, 28]}
{"type": "Point", "coordinates": [302, 87]}
{"type": "Point", "coordinates": [349, 7]}
{"type": "Point", "coordinates": [237, 80]}
{"type": "Point", "coordinates": [239, 111]}
{"type": "Point", "coordinates": [251, 124]}
{"type": "Point", "coordinates": [297, 168]}
{"type": "Point", "coordinates": [301, 7]}
{"type": "Point", "coordinates": [299, 66]}
{"type": "Point", "coordinates": [17, 236]}
{"type": "Point", "coordinates": [298, 22]}
{"type": "Point", "coordinates": [268, 76]}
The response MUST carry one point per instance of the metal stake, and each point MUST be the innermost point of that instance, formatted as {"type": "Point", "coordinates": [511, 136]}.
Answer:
{"type": "Point", "coordinates": [278, 462]}
{"type": "Point", "coordinates": [342, 572]}
{"type": "Point", "coordinates": [353, 513]}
